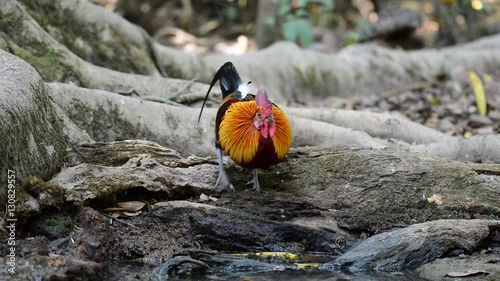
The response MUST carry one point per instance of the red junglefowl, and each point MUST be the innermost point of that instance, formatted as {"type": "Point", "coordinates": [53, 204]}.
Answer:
{"type": "Point", "coordinates": [252, 130]}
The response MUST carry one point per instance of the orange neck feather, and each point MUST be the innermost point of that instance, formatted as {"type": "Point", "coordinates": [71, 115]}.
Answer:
{"type": "Point", "coordinates": [239, 138]}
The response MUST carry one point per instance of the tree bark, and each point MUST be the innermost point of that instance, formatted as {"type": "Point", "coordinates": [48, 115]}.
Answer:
{"type": "Point", "coordinates": [33, 142]}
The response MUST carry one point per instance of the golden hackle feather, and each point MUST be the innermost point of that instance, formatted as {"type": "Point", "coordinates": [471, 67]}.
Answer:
{"type": "Point", "coordinates": [282, 139]}
{"type": "Point", "coordinates": [239, 138]}
{"type": "Point", "coordinates": [237, 135]}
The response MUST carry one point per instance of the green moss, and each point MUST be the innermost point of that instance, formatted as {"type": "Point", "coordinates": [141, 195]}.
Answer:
{"type": "Point", "coordinates": [36, 185]}
{"type": "Point", "coordinates": [117, 52]}
{"type": "Point", "coordinates": [59, 225]}
{"type": "Point", "coordinates": [197, 135]}
{"type": "Point", "coordinates": [34, 143]}
{"type": "Point", "coordinates": [48, 63]}
{"type": "Point", "coordinates": [106, 122]}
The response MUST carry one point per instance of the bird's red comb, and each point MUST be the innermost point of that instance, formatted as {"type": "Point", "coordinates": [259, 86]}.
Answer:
{"type": "Point", "coordinates": [263, 101]}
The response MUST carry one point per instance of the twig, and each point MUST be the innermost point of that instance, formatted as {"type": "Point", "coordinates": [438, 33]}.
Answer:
{"type": "Point", "coordinates": [161, 100]}
{"type": "Point", "coordinates": [129, 93]}
{"type": "Point", "coordinates": [118, 220]}
{"type": "Point", "coordinates": [485, 169]}
{"type": "Point", "coordinates": [412, 87]}
{"type": "Point", "coordinates": [177, 94]}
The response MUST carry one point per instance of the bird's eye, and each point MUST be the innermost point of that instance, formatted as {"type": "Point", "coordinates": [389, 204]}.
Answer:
{"type": "Point", "coordinates": [259, 114]}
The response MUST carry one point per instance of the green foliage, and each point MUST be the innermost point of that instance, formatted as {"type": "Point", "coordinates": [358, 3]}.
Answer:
{"type": "Point", "coordinates": [298, 30]}
{"type": "Point", "coordinates": [352, 39]}
{"type": "Point", "coordinates": [296, 18]}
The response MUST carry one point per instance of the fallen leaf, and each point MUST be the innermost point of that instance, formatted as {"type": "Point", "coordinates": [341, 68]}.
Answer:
{"type": "Point", "coordinates": [282, 255]}
{"type": "Point", "coordinates": [307, 265]}
{"type": "Point", "coordinates": [436, 199]}
{"type": "Point", "coordinates": [338, 240]}
{"type": "Point", "coordinates": [467, 273]}
{"type": "Point", "coordinates": [477, 87]}
{"type": "Point", "coordinates": [117, 214]}
{"type": "Point", "coordinates": [113, 209]}
{"type": "Point", "coordinates": [131, 214]}
{"type": "Point", "coordinates": [132, 206]}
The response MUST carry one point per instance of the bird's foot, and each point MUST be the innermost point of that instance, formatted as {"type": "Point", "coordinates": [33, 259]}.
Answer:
{"type": "Point", "coordinates": [223, 183]}
{"type": "Point", "coordinates": [255, 181]}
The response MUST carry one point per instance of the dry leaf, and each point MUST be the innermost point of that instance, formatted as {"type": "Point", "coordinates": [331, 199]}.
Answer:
{"type": "Point", "coordinates": [132, 206]}
{"type": "Point", "coordinates": [436, 199]}
{"type": "Point", "coordinates": [113, 209]}
{"type": "Point", "coordinates": [117, 214]}
{"type": "Point", "coordinates": [131, 214]}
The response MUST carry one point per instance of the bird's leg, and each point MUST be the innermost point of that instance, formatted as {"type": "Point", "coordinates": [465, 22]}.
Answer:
{"type": "Point", "coordinates": [255, 180]}
{"type": "Point", "coordinates": [222, 179]}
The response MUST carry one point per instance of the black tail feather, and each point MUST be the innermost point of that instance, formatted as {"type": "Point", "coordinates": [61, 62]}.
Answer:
{"type": "Point", "coordinates": [229, 82]}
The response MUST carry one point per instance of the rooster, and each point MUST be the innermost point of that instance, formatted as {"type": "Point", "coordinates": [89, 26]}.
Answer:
{"type": "Point", "coordinates": [251, 129]}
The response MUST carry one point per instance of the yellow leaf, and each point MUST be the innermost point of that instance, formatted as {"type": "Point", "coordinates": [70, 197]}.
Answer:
{"type": "Point", "coordinates": [477, 86]}
{"type": "Point", "coordinates": [281, 255]}
{"type": "Point", "coordinates": [307, 265]}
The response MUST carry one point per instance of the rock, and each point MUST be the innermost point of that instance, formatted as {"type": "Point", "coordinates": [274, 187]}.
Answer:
{"type": "Point", "coordinates": [38, 245]}
{"type": "Point", "coordinates": [476, 120]}
{"type": "Point", "coordinates": [228, 230]}
{"type": "Point", "coordinates": [494, 115]}
{"type": "Point", "coordinates": [488, 130]}
{"type": "Point", "coordinates": [181, 266]}
{"type": "Point", "coordinates": [52, 226]}
{"type": "Point", "coordinates": [413, 246]}
{"type": "Point", "coordinates": [445, 125]}
{"type": "Point", "coordinates": [486, 263]}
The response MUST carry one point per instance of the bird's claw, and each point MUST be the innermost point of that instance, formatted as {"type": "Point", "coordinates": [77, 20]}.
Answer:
{"type": "Point", "coordinates": [223, 183]}
{"type": "Point", "coordinates": [255, 181]}
{"type": "Point", "coordinates": [223, 179]}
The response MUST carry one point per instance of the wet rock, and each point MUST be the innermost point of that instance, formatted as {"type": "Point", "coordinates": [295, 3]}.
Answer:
{"type": "Point", "coordinates": [38, 245]}
{"type": "Point", "coordinates": [228, 230]}
{"type": "Point", "coordinates": [181, 266]}
{"type": "Point", "coordinates": [61, 268]}
{"type": "Point", "coordinates": [52, 225]}
{"type": "Point", "coordinates": [413, 246]}
{"type": "Point", "coordinates": [487, 265]}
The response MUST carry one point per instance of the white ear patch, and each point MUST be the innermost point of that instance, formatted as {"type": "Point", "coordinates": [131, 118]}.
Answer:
{"type": "Point", "coordinates": [244, 89]}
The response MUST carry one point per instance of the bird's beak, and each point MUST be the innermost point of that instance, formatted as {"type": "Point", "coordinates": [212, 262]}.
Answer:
{"type": "Point", "coordinates": [270, 118]}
